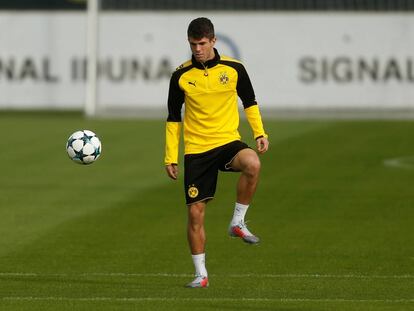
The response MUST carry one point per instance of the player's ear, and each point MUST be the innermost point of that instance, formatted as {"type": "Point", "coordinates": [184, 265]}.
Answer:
{"type": "Point", "coordinates": [213, 40]}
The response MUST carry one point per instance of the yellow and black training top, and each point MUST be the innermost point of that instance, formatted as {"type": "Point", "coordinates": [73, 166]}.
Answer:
{"type": "Point", "coordinates": [211, 117]}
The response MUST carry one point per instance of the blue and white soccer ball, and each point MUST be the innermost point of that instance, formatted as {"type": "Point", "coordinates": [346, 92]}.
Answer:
{"type": "Point", "coordinates": [84, 147]}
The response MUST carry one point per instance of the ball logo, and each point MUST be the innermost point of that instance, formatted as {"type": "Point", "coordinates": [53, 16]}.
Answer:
{"type": "Point", "coordinates": [192, 192]}
{"type": "Point", "coordinates": [228, 46]}
{"type": "Point", "coordinates": [224, 78]}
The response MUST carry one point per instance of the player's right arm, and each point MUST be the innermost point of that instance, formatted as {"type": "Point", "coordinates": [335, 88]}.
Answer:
{"type": "Point", "coordinates": [173, 127]}
{"type": "Point", "coordinates": [172, 171]}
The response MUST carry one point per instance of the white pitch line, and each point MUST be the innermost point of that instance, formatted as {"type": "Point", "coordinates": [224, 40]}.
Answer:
{"type": "Point", "coordinates": [327, 276]}
{"type": "Point", "coordinates": [213, 299]}
{"type": "Point", "coordinates": [182, 275]}
{"type": "Point", "coordinates": [403, 162]}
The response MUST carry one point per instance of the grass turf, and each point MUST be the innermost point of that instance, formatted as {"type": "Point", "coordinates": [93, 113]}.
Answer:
{"type": "Point", "coordinates": [336, 223]}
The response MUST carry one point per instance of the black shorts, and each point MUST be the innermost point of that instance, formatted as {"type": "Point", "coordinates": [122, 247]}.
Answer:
{"type": "Point", "coordinates": [201, 170]}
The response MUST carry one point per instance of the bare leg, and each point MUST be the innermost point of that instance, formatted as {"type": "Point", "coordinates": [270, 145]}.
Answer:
{"type": "Point", "coordinates": [248, 163]}
{"type": "Point", "coordinates": [197, 241]}
{"type": "Point", "coordinates": [195, 228]}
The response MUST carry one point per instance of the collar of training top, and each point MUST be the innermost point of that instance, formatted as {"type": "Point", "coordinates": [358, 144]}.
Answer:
{"type": "Point", "coordinates": [208, 64]}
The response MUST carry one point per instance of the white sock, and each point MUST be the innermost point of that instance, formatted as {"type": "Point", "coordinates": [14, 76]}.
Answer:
{"type": "Point", "coordinates": [199, 261]}
{"type": "Point", "coordinates": [239, 213]}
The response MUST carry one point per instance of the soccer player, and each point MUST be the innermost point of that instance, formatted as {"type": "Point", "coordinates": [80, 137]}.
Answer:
{"type": "Point", "coordinates": [209, 85]}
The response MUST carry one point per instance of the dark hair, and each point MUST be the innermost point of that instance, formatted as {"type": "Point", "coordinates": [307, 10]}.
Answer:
{"type": "Point", "coordinates": [201, 27]}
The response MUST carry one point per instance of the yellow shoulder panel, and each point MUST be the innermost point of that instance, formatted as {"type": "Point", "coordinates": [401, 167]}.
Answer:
{"type": "Point", "coordinates": [183, 65]}
{"type": "Point", "coordinates": [227, 58]}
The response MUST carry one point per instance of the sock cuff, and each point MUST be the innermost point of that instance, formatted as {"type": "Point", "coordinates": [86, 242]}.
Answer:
{"type": "Point", "coordinates": [241, 205]}
{"type": "Point", "coordinates": [198, 256]}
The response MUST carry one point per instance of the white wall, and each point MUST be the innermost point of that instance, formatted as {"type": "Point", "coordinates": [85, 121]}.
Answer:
{"type": "Point", "coordinates": [295, 60]}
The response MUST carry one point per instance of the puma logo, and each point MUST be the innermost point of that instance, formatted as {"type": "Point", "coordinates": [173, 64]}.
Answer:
{"type": "Point", "coordinates": [192, 83]}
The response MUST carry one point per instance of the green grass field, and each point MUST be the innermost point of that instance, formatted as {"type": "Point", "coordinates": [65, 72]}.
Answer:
{"type": "Point", "coordinates": [336, 222]}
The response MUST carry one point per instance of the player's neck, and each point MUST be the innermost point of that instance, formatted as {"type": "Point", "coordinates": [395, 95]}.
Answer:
{"type": "Point", "coordinates": [209, 58]}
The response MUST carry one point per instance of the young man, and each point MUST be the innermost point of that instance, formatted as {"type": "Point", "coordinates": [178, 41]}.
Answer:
{"type": "Point", "coordinates": [209, 85]}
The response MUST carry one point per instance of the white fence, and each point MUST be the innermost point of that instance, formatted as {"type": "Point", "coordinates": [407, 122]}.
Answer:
{"type": "Point", "coordinates": [295, 61]}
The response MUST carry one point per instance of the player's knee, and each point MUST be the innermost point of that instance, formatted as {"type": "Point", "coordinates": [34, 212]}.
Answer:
{"type": "Point", "coordinates": [253, 166]}
{"type": "Point", "coordinates": [196, 212]}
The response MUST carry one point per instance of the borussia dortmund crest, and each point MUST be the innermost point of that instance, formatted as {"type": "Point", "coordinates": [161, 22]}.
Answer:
{"type": "Point", "coordinates": [192, 192]}
{"type": "Point", "coordinates": [223, 77]}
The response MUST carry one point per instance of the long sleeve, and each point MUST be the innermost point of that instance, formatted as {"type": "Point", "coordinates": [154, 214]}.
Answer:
{"type": "Point", "coordinates": [246, 94]}
{"type": "Point", "coordinates": [172, 142]}
{"type": "Point", "coordinates": [173, 124]}
{"type": "Point", "coordinates": [255, 120]}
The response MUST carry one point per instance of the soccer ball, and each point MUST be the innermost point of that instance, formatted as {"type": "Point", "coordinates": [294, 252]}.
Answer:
{"type": "Point", "coordinates": [84, 147]}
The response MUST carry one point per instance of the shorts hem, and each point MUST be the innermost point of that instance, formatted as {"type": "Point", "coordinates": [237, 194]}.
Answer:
{"type": "Point", "coordinates": [204, 199]}
{"type": "Point", "coordinates": [227, 166]}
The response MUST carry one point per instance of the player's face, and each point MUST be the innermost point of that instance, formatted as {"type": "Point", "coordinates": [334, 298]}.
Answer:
{"type": "Point", "coordinates": [202, 49]}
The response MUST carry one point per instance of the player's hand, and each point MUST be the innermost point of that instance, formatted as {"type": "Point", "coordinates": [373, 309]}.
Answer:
{"type": "Point", "coordinates": [172, 171]}
{"type": "Point", "coordinates": [262, 144]}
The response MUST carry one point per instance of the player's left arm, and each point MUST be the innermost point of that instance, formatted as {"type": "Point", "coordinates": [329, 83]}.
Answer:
{"type": "Point", "coordinates": [251, 109]}
{"type": "Point", "coordinates": [255, 120]}
{"type": "Point", "coordinates": [262, 144]}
